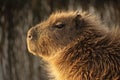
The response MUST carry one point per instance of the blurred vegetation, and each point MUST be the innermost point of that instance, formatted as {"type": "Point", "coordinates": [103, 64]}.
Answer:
{"type": "Point", "coordinates": [17, 16]}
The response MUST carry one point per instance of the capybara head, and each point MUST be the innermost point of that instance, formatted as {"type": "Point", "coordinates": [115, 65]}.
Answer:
{"type": "Point", "coordinates": [55, 33]}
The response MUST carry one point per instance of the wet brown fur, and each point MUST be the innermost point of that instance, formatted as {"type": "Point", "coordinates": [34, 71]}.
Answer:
{"type": "Point", "coordinates": [89, 52]}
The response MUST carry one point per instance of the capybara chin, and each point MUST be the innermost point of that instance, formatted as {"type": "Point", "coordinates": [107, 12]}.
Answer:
{"type": "Point", "coordinates": [77, 46]}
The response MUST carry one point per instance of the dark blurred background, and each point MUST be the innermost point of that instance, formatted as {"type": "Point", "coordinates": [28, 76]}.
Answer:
{"type": "Point", "coordinates": [17, 16]}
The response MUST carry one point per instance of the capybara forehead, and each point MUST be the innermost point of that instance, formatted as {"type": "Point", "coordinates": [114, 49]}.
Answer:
{"type": "Point", "coordinates": [66, 17]}
{"type": "Point", "coordinates": [61, 17]}
{"type": "Point", "coordinates": [56, 17]}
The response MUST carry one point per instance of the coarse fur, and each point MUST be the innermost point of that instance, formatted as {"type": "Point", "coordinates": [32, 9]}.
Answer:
{"type": "Point", "coordinates": [77, 46]}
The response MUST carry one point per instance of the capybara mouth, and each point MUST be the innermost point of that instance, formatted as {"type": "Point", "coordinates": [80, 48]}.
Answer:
{"type": "Point", "coordinates": [31, 40]}
{"type": "Point", "coordinates": [31, 46]}
{"type": "Point", "coordinates": [35, 44]}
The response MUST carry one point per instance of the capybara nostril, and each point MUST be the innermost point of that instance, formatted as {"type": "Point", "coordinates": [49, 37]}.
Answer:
{"type": "Point", "coordinates": [32, 34]}
{"type": "Point", "coordinates": [29, 36]}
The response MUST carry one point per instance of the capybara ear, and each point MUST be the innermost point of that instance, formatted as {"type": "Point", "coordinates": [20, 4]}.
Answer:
{"type": "Point", "coordinates": [78, 21]}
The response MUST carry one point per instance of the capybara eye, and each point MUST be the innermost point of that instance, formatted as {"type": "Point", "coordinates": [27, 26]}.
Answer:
{"type": "Point", "coordinates": [59, 25]}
